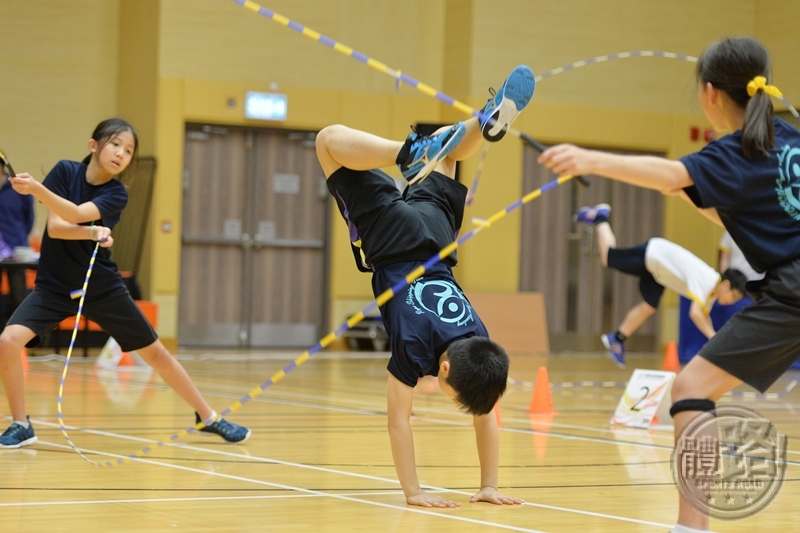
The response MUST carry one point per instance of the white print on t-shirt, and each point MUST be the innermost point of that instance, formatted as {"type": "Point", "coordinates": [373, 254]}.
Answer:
{"type": "Point", "coordinates": [442, 298]}
{"type": "Point", "coordinates": [789, 181]}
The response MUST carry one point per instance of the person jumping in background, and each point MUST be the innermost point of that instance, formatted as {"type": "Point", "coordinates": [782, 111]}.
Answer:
{"type": "Point", "coordinates": [660, 263]}
{"type": "Point", "coordinates": [731, 256]}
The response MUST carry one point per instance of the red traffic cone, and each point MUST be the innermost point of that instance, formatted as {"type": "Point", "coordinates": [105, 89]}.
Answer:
{"type": "Point", "coordinates": [671, 362]}
{"type": "Point", "coordinates": [542, 400]}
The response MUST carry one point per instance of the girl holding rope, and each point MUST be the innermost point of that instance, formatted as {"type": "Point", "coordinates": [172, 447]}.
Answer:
{"type": "Point", "coordinates": [84, 203]}
{"type": "Point", "coordinates": [746, 181]}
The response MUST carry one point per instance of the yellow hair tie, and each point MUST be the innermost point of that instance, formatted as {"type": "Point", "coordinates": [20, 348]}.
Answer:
{"type": "Point", "coordinates": [760, 82]}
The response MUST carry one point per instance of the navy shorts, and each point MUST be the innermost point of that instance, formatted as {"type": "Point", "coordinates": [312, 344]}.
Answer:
{"type": "Point", "coordinates": [115, 312]}
{"type": "Point", "coordinates": [762, 341]}
{"type": "Point", "coordinates": [631, 261]}
{"type": "Point", "coordinates": [387, 226]}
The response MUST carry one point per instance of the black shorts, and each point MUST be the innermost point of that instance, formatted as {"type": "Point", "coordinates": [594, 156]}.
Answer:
{"type": "Point", "coordinates": [116, 313]}
{"type": "Point", "coordinates": [631, 261]}
{"type": "Point", "coordinates": [762, 341]}
{"type": "Point", "coordinates": [387, 226]}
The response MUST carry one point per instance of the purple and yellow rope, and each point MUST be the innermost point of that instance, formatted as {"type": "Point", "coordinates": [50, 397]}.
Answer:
{"type": "Point", "coordinates": [387, 295]}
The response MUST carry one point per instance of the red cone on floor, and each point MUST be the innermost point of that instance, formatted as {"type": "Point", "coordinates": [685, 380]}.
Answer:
{"type": "Point", "coordinates": [671, 362]}
{"type": "Point", "coordinates": [542, 400]}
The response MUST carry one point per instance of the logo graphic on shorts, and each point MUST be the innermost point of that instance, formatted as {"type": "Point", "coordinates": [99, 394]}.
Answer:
{"type": "Point", "coordinates": [442, 298]}
{"type": "Point", "coordinates": [730, 466]}
{"type": "Point", "coordinates": [788, 182]}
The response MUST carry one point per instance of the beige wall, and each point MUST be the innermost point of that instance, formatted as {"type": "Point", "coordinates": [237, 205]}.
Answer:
{"type": "Point", "coordinates": [161, 63]}
{"type": "Point", "coordinates": [59, 79]}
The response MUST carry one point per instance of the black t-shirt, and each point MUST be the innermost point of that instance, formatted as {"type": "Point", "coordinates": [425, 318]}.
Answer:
{"type": "Point", "coordinates": [757, 200]}
{"type": "Point", "coordinates": [63, 263]}
{"type": "Point", "coordinates": [423, 319]}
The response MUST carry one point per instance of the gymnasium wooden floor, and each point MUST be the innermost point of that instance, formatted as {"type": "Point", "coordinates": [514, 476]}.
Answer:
{"type": "Point", "coordinates": [319, 457]}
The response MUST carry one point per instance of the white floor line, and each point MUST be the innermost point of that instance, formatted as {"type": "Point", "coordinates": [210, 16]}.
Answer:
{"type": "Point", "coordinates": [197, 499]}
{"type": "Point", "coordinates": [380, 408]}
{"type": "Point", "coordinates": [349, 474]}
{"type": "Point", "coordinates": [309, 491]}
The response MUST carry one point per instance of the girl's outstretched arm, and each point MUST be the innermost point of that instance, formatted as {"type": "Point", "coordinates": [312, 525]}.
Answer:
{"type": "Point", "coordinates": [645, 171]}
{"type": "Point", "coordinates": [74, 214]}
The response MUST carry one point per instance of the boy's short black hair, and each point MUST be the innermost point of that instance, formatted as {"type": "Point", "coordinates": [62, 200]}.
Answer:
{"type": "Point", "coordinates": [478, 373]}
{"type": "Point", "coordinates": [737, 279]}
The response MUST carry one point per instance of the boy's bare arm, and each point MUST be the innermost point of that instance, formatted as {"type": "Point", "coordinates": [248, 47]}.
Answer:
{"type": "Point", "coordinates": [488, 439]}
{"type": "Point", "coordinates": [399, 400]}
{"type": "Point", "coordinates": [701, 320]}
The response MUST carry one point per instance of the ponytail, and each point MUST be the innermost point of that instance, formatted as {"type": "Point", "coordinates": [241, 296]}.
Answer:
{"type": "Point", "coordinates": [758, 132]}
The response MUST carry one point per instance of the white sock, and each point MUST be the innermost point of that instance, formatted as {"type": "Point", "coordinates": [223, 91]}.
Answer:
{"type": "Point", "coordinates": [213, 418]}
{"type": "Point", "coordinates": [683, 529]}
{"type": "Point", "coordinates": [25, 424]}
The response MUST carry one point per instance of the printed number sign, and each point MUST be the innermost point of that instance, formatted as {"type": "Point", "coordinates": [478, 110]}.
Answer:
{"type": "Point", "coordinates": [646, 399]}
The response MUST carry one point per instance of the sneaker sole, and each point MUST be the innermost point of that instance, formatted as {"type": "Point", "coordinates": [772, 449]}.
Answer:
{"type": "Point", "coordinates": [514, 95]}
{"type": "Point", "coordinates": [604, 340]}
{"type": "Point", "coordinates": [21, 444]}
{"type": "Point", "coordinates": [448, 147]}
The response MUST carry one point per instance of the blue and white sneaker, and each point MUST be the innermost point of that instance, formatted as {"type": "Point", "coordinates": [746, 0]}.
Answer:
{"type": "Point", "coordinates": [615, 348]}
{"type": "Point", "coordinates": [17, 436]}
{"type": "Point", "coordinates": [232, 433]}
{"type": "Point", "coordinates": [421, 153]}
{"type": "Point", "coordinates": [593, 215]}
{"type": "Point", "coordinates": [506, 104]}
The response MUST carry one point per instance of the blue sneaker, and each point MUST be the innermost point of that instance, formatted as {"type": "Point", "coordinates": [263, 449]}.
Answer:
{"type": "Point", "coordinates": [17, 436]}
{"type": "Point", "coordinates": [506, 104]}
{"type": "Point", "coordinates": [420, 153]}
{"type": "Point", "coordinates": [593, 215]}
{"type": "Point", "coordinates": [229, 431]}
{"type": "Point", "coordinates": [615, 348]}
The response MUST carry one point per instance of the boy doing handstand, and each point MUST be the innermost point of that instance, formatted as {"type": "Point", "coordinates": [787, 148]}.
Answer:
{"type": "Point", "coordinates": [432, 327]}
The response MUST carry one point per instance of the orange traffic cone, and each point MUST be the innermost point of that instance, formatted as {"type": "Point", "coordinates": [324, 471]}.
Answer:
{"type": "Point", "coordinates": [24, 358]}
{"type": "Point", "coordinates": [541, 401]}
{"type": "Point", "coordinates": [671, 362]}
{"type": "Point", "coordinates": [497, 415]}
{"type": "Point", "coordinates": [126, 360]}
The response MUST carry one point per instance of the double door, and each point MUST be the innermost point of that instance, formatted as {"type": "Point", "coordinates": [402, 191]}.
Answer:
{"type": "Point", "coordinates": [254, 239]}
{"type": "Point", "coordinates": [560, 258]}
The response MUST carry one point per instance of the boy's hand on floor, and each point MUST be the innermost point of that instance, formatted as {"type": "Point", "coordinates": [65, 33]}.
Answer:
{"type": "Point", "coordinates": [423, 499]}
{"type": "Point", "coordinates": [492, 495]}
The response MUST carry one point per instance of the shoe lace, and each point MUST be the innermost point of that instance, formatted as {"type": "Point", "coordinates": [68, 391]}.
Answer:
{"type": "Point", "coordinates": [13, 431]}
{"type": "Point", "coordinates": [493, 92]}
{"type": "Point", "coordinates": [225, 427]}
